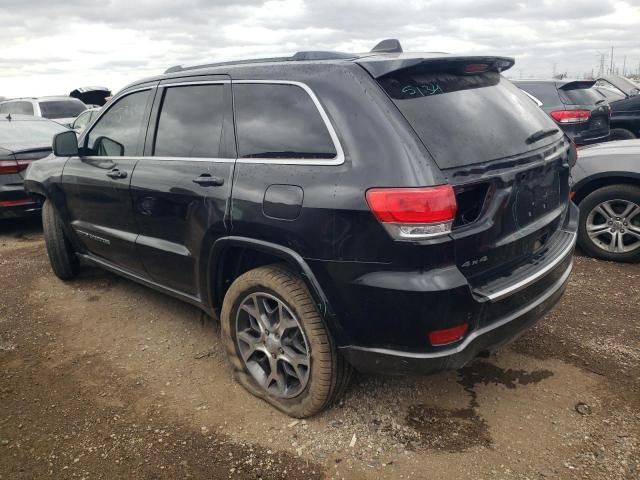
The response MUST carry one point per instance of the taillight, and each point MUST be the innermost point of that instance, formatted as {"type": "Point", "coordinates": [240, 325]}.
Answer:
{"type": "Point", "coordinates": [12, 166]}
{"type": "Point", "coordinates": [448, 335]}
{"type": "Point", "coordinates": [571, 116]}
{"type": "Point", "coordinates": [414, 213]}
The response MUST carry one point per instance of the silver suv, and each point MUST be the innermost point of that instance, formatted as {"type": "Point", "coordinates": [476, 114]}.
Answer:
{"type": "Point", "coordinates": [59, 109]}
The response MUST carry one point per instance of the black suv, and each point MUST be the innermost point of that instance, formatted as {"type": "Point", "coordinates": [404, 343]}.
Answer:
{"type": "Point", "coordinates": [388, 212]}
{"type": "Point", "coordinates": [578, 108]}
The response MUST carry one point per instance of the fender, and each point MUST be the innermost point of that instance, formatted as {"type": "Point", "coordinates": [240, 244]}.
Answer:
{"type": "Point", "coordinates": [616, 176]}
{"type": "Point", "coordinates": [210, 289]}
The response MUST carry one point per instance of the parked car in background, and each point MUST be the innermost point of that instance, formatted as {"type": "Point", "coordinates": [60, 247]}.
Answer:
{"type": "Point", "coordinates": [59, 109]}
{"type": "Point", "coordinates": [82, 120]}
{"type": "Point", "coordinates": [23, 139]}
{"type": "Point", "coordinates": [577, 108]}
{"type": "Point", "coordinates": [623, 96]}
{"type": "Point", "coordinates": [381, 245]}
{"type": "Point", "coordinates": [92, 95]}
{"type": "Point", "coordinates": [607, 189]}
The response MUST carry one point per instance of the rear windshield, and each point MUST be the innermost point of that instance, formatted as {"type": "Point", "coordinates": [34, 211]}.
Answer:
{"type": "Point", "coordinates": [467, 119]}
{"type": "Point", "coordinates": [580, 96]}
{"type": "Point", "coordinates": [62, 108]}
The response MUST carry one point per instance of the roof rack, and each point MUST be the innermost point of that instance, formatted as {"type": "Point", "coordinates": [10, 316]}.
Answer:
{"type": "Point", "coordinates": [313, 55]}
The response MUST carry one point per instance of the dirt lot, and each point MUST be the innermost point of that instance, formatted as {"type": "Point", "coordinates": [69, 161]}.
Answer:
{"type": "Point", "coordinates": [103, 378]}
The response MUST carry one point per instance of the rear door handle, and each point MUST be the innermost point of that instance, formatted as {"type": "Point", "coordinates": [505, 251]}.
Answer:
{"type": "Point", "coordinates": [115, 173]}
{"type": "Point", "coordinates": [207, 180]}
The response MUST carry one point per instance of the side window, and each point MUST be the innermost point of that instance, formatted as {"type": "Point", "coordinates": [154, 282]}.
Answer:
{"type": "Point", "coordinates": [18, 108]}
{"type": "Point", "coordinates": [279, 121]}
{"type": "Point", "coordinates": [190, 122]}
{"type": "Point", "coordinates": [119, 132]}
{"type": "Point", "coordinates": [82, 120]}
{"type": "Point", "coordinates": [545, 92]}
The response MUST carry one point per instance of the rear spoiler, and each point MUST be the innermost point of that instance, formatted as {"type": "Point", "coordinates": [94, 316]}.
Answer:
{"type": "Point", "coordinates": [577, 85]}
{"type": "Point", "coordinates": [381, 65]}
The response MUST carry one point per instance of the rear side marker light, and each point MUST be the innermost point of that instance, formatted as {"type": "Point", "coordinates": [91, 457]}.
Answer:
{"type": "Point", "coordinates": [571, 116]}
{"type": "Point", "coordinates": [414, 213]}
{"type": "Point", "coordinates": [448, 335]}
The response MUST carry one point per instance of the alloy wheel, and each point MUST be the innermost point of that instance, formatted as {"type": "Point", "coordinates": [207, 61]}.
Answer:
{"type": "Point", "coordinates": [614, 226]}
{"type": "Point", "coordinates": [272, 345]}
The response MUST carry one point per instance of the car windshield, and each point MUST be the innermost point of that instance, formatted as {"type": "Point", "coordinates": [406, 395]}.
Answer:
{"type": "Point", "coordinates": [29, 132]}
{"type": "Point", "coordinates": [62, 108]}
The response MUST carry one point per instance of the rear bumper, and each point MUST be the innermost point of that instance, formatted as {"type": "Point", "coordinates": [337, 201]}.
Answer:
{"type": "Point", "coordinates": [15, 202]}
{"type": "Point", "coordinates": [385, 315]}
{"type": "Point", "coordinates": [500, 332]}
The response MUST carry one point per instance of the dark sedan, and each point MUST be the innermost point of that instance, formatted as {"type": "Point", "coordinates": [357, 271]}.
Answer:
{"type": "Point", "coordinates": [23, 139]}
{"type": "Point", "coordinates": [607, 189]}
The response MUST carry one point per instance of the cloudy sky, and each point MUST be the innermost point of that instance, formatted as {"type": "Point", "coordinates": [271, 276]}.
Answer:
{"type": "Point", "coordinates": [53, 46]}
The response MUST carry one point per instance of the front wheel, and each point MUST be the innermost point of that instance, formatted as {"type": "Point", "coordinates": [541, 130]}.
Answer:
{"type": "Point", "coordinates": [63, 261]}
{"type": "Point", "coordinates": [610, 223]}
{"type": "Point", "coordinates": [278, 345]}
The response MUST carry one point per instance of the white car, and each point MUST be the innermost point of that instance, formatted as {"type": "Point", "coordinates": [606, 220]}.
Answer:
{"type": "Point", "coordinates": [61, 109]}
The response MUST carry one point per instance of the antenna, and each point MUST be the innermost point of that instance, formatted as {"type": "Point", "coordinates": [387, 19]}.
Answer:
{"type": "Point", "coordinates": [389, 45]}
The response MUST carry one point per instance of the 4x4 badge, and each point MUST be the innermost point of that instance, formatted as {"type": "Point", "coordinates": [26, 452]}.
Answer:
{"type": "Point", "coordinates": [475, 261]}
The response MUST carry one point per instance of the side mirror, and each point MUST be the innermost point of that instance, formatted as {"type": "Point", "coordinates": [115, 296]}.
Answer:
{"type": "Point", "coordinates": [65, 144]}
{"type": "Point", "coordinates": [106, 147]}
{"type": "Point", "coordinates": [634, 92]}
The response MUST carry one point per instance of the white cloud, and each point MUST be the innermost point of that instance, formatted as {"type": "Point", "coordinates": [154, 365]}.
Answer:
{"type": "Point", "coordinates": [52, 47]}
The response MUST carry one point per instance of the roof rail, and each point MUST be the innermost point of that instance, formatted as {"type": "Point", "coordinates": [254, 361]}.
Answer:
{"type": "Point", "coordinates": [312, 55]}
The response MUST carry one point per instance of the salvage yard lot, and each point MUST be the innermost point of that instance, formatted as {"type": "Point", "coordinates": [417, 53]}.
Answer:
{"type": "Point", "coordinates": [103, 378]}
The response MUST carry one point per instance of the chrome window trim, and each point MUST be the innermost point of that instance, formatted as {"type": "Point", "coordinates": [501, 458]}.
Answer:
{"type": "Point", "coordinates": [337, 160]}
{"type": "Point", "coordinates": [195, 82]}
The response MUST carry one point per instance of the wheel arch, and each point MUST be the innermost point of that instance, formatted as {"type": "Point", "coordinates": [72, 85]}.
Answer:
{"type": "Point", "coordinates": [593, 183]}
{"type": "Point", "coordinates": [230, 257]}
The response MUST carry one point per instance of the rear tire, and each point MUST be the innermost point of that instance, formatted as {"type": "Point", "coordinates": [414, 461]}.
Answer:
{"type": "Point", "coordinates": [257, 302]}
{"type": "Point", "coordinates": [61, 256]}
{"type": "Point", "coordinates": [620, 134]}
{"type": "Point", "coordinates": [604, 210]}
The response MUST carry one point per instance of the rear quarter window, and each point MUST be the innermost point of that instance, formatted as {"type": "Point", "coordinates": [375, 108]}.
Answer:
{"type": "Point", "coordinates": [546, 92]}
{"type": "Point", "coordinates": [279, 121]}
{"type": "Point", "coordinates": [466, 119]}
{"type": "Point", "coordinates": [62, 108]}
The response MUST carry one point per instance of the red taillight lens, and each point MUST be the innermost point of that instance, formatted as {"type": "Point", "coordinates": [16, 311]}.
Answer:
{"type": "Point", "coordinates": [571, 116]}
{"type": "Point", "coordinates": [413, 205]}
{"type": "Point", "coordinates": [448, 335]}
{"type": "Point", "coordinates": [414, 213]}
{"type": "Point", "coordinates": [13, 166]}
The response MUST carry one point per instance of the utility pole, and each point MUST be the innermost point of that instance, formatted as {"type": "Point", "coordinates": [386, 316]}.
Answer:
{"type": "Point", "coordinates": [624, 66]}
{"type": "Point", "coordinates": [554, 70]}
{"type": "Point", "coordinates": [611, 67]}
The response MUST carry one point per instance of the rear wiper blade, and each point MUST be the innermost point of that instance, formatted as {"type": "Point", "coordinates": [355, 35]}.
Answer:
{"type": "Point", "coordinates": [540, 134]}
{"type": "Point", "coordinates": [601, 101]}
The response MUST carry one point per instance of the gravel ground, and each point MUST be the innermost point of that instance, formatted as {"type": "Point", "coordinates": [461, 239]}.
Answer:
{"type": "Point", "coordinates": [103, 378]}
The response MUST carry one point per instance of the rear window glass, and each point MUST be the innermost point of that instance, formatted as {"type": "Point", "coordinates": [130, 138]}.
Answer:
{"type": "Point", "coordinates": [581, 96]}
{"type": "Point", "coordinates": [466, 119]}
{"type": "Point", "coordinates": [279, 121]}
{"type": "Point", "coordinates": [62, 108]}
{"type": "Point", "coordinates": [18, 108]}
{"type": "Point", "coordinates": [190, 123]}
